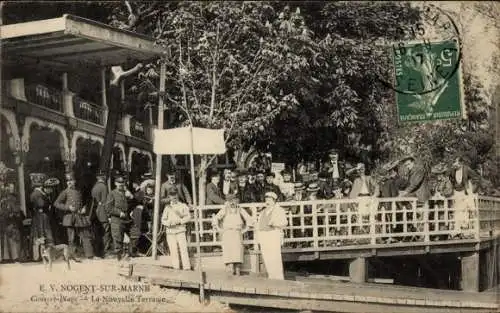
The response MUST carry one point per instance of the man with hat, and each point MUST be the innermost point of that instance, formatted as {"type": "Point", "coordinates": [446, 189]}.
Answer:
{"type": "Point", "coordinates": [75, 218]}
{"type": "Point", "coordinates": [42, 207]}
{"type": "Point", "coordinates": [233, 218]}
{"type": "Point", "coordinates": [214, 193]}
{"type": "Point", "coordinates": [228, 186]}
{"type": "Point", "coordinates": [335, 169]}
{"type": "Point", "coordinates": [117, 209]}
{"type": "Point", "coordinates": [269, 185]}
{"type": "Point", "coordinates": [11, 222]}
{"type": "Point", "coordinates": [418, 180]}
{"type": "Point", "coordinates": [287, 187]}
{"type": "Point", "coordinates": [174, 217]}
{"type": "Point", "coordinates": [269, 232]}
{"type": "Point", "coordinates": [442, 186]}
{"type": "Point", "coordinates": [172, 183]}
{"type": "Point", "coordinates": [99, 193]}
{"type": "Point", "coordinates": [246, 192]}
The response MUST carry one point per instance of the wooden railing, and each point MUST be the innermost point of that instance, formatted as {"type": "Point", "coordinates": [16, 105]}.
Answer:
{"type": "Point", "coordinates": [88, 111]}
{"type": "Point", "coordinates": [323, 224]}
{"type": "Point", "coordinates": [44, 96]}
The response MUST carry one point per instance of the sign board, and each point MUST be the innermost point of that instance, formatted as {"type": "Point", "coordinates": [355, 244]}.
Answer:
{"type": "Point", "coordinates": [428, 81]}
{"type": "Point", "coordinates": [186, 140]}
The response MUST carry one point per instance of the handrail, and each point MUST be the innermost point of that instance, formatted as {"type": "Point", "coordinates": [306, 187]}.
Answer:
{"type": "Point", "coordinates": [88, 111]}
{"type": "Point", "coordinates": [326, 224]}
{"type": "Point", "coordinates": [48, 97]}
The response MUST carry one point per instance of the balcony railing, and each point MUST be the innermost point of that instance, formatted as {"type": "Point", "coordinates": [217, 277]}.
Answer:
{"type": "Point", "coordinates": [44, 96]}
{"type": "Point", "coordinates": [88, 111]}
{"type": "Point", "coordinates": [138, 129]}
{"type": "Point", "coordinates": [334, 224]}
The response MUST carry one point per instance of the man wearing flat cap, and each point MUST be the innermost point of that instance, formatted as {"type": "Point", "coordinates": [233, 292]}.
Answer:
{"type": "Point", "coordinates": [333, 166]}
{"type": "Point", "coordinates": [100, 192]}
{"type": "Point", "coordinates": [75, 218]}
{"type": "Point", "coordinates": [120, 220]}
{"type": "Point", "coordinates": [269, 232]}
{"type": "Point", "coordinates": [418, 180]}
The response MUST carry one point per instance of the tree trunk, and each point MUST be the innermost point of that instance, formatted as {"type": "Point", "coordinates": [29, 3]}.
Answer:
{"type": "Point", "coordinates": [114, 105]}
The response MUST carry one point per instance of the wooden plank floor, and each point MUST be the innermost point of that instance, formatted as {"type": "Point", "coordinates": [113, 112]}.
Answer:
{"type": "Point", "coordinates": [327, 294]}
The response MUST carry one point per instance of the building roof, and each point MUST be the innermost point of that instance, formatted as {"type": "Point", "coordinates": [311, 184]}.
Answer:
{"type": "Point", "coordinates": [71, 40]}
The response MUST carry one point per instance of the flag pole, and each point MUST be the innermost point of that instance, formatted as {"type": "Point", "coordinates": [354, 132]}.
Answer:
{"type": "Point", "coordinates": [156, 211]}
{"type": "Point", "coordinates": [196, 218]}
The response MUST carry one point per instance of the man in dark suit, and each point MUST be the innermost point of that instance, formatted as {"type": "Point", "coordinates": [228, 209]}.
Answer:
{"type": "Point", "coordinates": [418, 180]}
{"type": "Point", "coordinates": [334, 168]}
{"type": "Point", "coordinates": [214, 193]}
{"type": "Point", "coordinates": [269, 185]}
{"type": "Point", "coordinates": [102, 228]}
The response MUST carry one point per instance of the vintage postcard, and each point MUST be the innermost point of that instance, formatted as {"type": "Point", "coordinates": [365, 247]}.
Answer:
{"type": "Point", "coordinates": [249, 156]}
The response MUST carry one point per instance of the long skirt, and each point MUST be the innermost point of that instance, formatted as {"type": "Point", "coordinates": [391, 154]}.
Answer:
{"type": "Point", "coordinates": [232, 246]}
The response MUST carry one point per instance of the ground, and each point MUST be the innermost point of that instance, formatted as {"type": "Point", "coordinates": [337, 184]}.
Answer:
{"type": "Point", "coordinates": [92, 286]}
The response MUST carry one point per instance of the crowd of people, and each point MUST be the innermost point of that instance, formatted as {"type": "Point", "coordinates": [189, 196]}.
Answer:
{"type": "Point", "coordinates": [112, 223]}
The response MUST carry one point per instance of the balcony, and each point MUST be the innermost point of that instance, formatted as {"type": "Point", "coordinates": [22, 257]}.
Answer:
{"type": "Point", "coordinates": [88, 111]}
{"type": "Point", "coordinates": [45, 96]}
{"type": "Point", "coordinates": [138, 129]}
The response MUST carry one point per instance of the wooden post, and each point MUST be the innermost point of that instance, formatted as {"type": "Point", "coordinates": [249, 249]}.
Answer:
{"type": "Point", "coordinates": [470, 272]}
{"type": "Point", "coordinates": [156, 211]}
{"type": "Point", "coordinates": [197, 221]}
{"type": "Point", "coordinates": [357, 270]}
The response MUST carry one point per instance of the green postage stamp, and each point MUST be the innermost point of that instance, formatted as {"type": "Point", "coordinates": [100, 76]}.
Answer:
{"type": "Point", "coordinates": [427, 81]}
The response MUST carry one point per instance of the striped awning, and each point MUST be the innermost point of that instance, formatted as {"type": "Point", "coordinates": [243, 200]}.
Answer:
{"type": "Point", "coordinates": [71, 41]}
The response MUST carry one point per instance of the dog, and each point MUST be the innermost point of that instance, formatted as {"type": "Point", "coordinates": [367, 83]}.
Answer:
{"type": "Point", "coordinates": [50, 252]}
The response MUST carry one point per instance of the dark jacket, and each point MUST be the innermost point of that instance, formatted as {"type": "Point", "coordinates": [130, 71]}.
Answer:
{"type": "Point", "coordinates": [214, 194]}
{"type": "Point", "coordinates": [418, 183]}
{"type": "Point", "coordinates": [117, 203]}
{"type": "Point", "coordinates": [40, 224]}
{"type": "Point", "coordinates": [72, 197]}
{"type": "Point", "coordinates": [99, 196]}
{"type": "Point", "coordinates": [182, 191]}
{"type": "Point", "coordinates": [247, 194]}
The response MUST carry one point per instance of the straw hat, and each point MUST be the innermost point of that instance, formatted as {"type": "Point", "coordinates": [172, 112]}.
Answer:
{"type": "Point", "coordinates": [51, 182]}
{"type": "Point", "coordinates": [37, 179]}
{"type": "Point", "coordinates": [299, 186]}
{"type": "Point", "coordinates": [312, 187]}
{"type": "Point", "coordinates": [272, 195]}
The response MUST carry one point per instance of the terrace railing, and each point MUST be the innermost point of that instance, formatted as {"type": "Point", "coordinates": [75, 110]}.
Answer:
{"type": "Point", "coordinates": [45, 96]}
{"type": "Point", "coordinates": [324, 224]}
{"type": "Point", "coordinates": [88, 111]}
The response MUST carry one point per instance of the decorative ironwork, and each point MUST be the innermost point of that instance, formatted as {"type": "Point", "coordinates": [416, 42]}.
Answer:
{"type": "Point", "coordinates": [88, 111]}
{"type": "Point", "coordinates": [44, 96]}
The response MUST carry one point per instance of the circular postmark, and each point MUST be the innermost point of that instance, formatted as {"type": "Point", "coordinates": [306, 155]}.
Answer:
{"type": "Point", "coordinates": [427, 56]}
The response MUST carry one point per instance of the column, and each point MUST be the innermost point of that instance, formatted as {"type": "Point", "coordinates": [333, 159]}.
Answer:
{"type": "Point", "coordinates": [470, 272]}
{"type": "Point", "coordinates": [357, 270]}
{"type": "Point", "coordinates": [20, 151]}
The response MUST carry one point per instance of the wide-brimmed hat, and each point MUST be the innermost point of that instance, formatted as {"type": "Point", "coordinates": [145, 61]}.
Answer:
{"type": "Point", "coordinates": [439, 168]}
{"type": "Point", "coordinates": [51, 182]}
{"type": "Point", "coordinates": [299, 186]}
{"type": "Point", "coordinates": [271, 194]}
{"type": "Point", "coordinates": [147, 175]}
{"type": "Point", "coordinates": [390, 165]}
{"type": "Point", "coordinates": [333, 151]}
{"type": "Point", "coordinates": [37, 179]}
{"type": "Point", "coordinates": [312, 187]}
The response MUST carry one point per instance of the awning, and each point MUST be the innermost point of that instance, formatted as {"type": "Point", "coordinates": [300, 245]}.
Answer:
{"type": "Point", "coordinates": [70, 40]}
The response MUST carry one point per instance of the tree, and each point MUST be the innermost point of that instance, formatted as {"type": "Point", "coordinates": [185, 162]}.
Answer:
{"type": "Point", "coordinates": [226, 66]}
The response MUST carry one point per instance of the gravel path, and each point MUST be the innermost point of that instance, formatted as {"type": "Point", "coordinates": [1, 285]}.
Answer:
{"type": "Point", "coordinates": [90, 286]}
